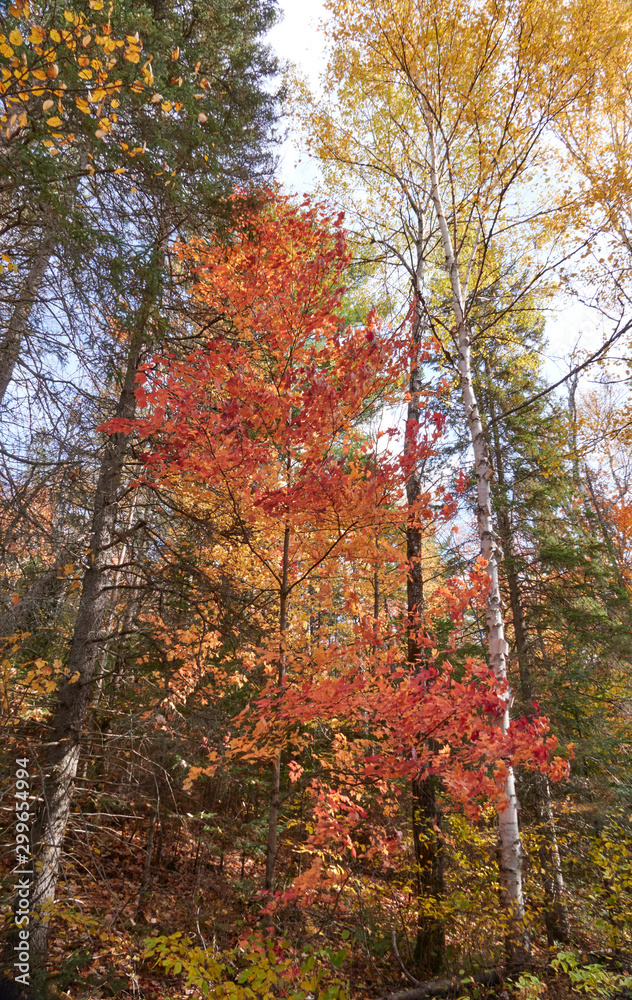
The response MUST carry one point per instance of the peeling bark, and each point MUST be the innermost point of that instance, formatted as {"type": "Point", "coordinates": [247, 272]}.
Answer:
{"type": "Point", "coordinates": [511, 853]}
{"type": "Point", "coordinates": [556, 913]}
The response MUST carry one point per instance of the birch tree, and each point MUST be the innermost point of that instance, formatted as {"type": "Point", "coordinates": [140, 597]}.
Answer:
{"type": "Point", "coordinates": [442, 117]}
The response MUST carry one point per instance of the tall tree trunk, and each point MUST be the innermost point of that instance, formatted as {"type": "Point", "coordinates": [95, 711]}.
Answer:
{"type": "Point", "coordinates": [74, 694]}
{"type": "Point", "coordinates": [275, 790]}
{"type": "Point", "coordinates": [511, 853]}
{"type": "Point", "coordinates": [426, 819]}
{"type": "Point", "coordinates": [17, 326]}
{"type": "Point", "coordinates": [556, 913]}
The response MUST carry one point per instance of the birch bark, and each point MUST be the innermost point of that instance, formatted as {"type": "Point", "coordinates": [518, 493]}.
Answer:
{"type": "Point", "coordinates": [556, 912]}
{"type": "Point", "coordinates": [510, 853]}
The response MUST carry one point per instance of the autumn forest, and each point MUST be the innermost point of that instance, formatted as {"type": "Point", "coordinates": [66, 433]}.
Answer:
{"type": "Point", "coordinates": [316, 507]}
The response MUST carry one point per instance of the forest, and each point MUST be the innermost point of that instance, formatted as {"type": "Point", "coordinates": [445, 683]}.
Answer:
{"type": "Point", "coordinates": [316, 507]}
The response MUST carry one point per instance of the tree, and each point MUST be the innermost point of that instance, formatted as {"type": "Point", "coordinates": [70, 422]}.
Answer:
{"type": "Point", "coordinates": [168, 201]}
{"type": "Point", "coordinates": [260, 414]}
{"type": "Point", "coordinates": [257, 424]}
{"type": "Point", "coordinates": [443, 113]}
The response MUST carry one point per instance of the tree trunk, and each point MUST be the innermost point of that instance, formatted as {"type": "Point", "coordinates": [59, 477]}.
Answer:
{"type": "Point", "coordinates": [511, 853]}
{"type": "Point", "coordinates": [429, 856]}
{"type": "Point", "coordinates": [275, 790]}
{"type": "Point", "coordinates": [426, 820]}
{"type": "Point", "coordinates": [144, 885]}
{"type": "Point", "coordinates": [73, 697]}
{"type": "Point", "coordinates": [556, 913]}
{"type": "Point", "coordinates": [17, 327]}
{"type": "Point", "coordinates": [18, 322]}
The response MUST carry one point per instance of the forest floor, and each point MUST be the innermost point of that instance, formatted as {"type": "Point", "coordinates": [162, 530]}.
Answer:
{"type": "Point", "coordinates": [99, 932]}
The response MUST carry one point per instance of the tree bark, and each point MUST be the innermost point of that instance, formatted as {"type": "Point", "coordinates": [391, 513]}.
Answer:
{"type": "Point", "coordinates": [426, 821]}
{"type": "Point", "coordinates": [511, 853]}
{"type": "Point", "coordinates": [69, 717]}
{"type": "Point", "coordinates": [17, 327]}
{"type": "Point", "coordinates": [18, 322]}
{"type": "Point", "coordinates": [275, 790]}
{"type": "Point", "coordinates": [443, 987]}
{"type": "Point", "coordinates": [555, 913]}
{"type": "Point", "coordinates": [147, 866]}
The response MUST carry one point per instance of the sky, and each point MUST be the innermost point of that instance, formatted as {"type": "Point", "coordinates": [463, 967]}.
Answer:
{"type": "Point", "coordinates": [296, 39]}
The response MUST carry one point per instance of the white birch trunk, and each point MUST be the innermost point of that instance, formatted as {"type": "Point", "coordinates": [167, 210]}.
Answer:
{"type": "Point", "coordinates": [511, 853]}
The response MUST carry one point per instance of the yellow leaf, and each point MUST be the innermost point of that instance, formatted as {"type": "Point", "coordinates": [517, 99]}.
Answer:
{"type": "Point", "coordinates": [166, 105]}
{"type": "Point", "coordinates": [54, 35]}
{"type": "Point", "coordinates": [120, 170]}
{"type": "Point", "coordinates": [175, 55]}
{"type": "Point", "coordinates": [96, 4]}
{"type": "Point", "coordinates": [132, 55]}
{"type": "Point", "coordinates": [15, 37]}
{"type": "Point", "coordinates": [85, 41]}
{"type": "Point", "coordinates": [83, 105]}
{"type": "Point", "coordinates": [54, 122]}
{"type": "Point", "coordinates": [86, 74]}
{"type": "Point", "coordinates": [6, 50]}
{"type": "Point", "coordinates": [47, 104]}
{"type": "Point", "coordinates": [39, 74]}
{"type": "Point", "coordinates": [37, 34]}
